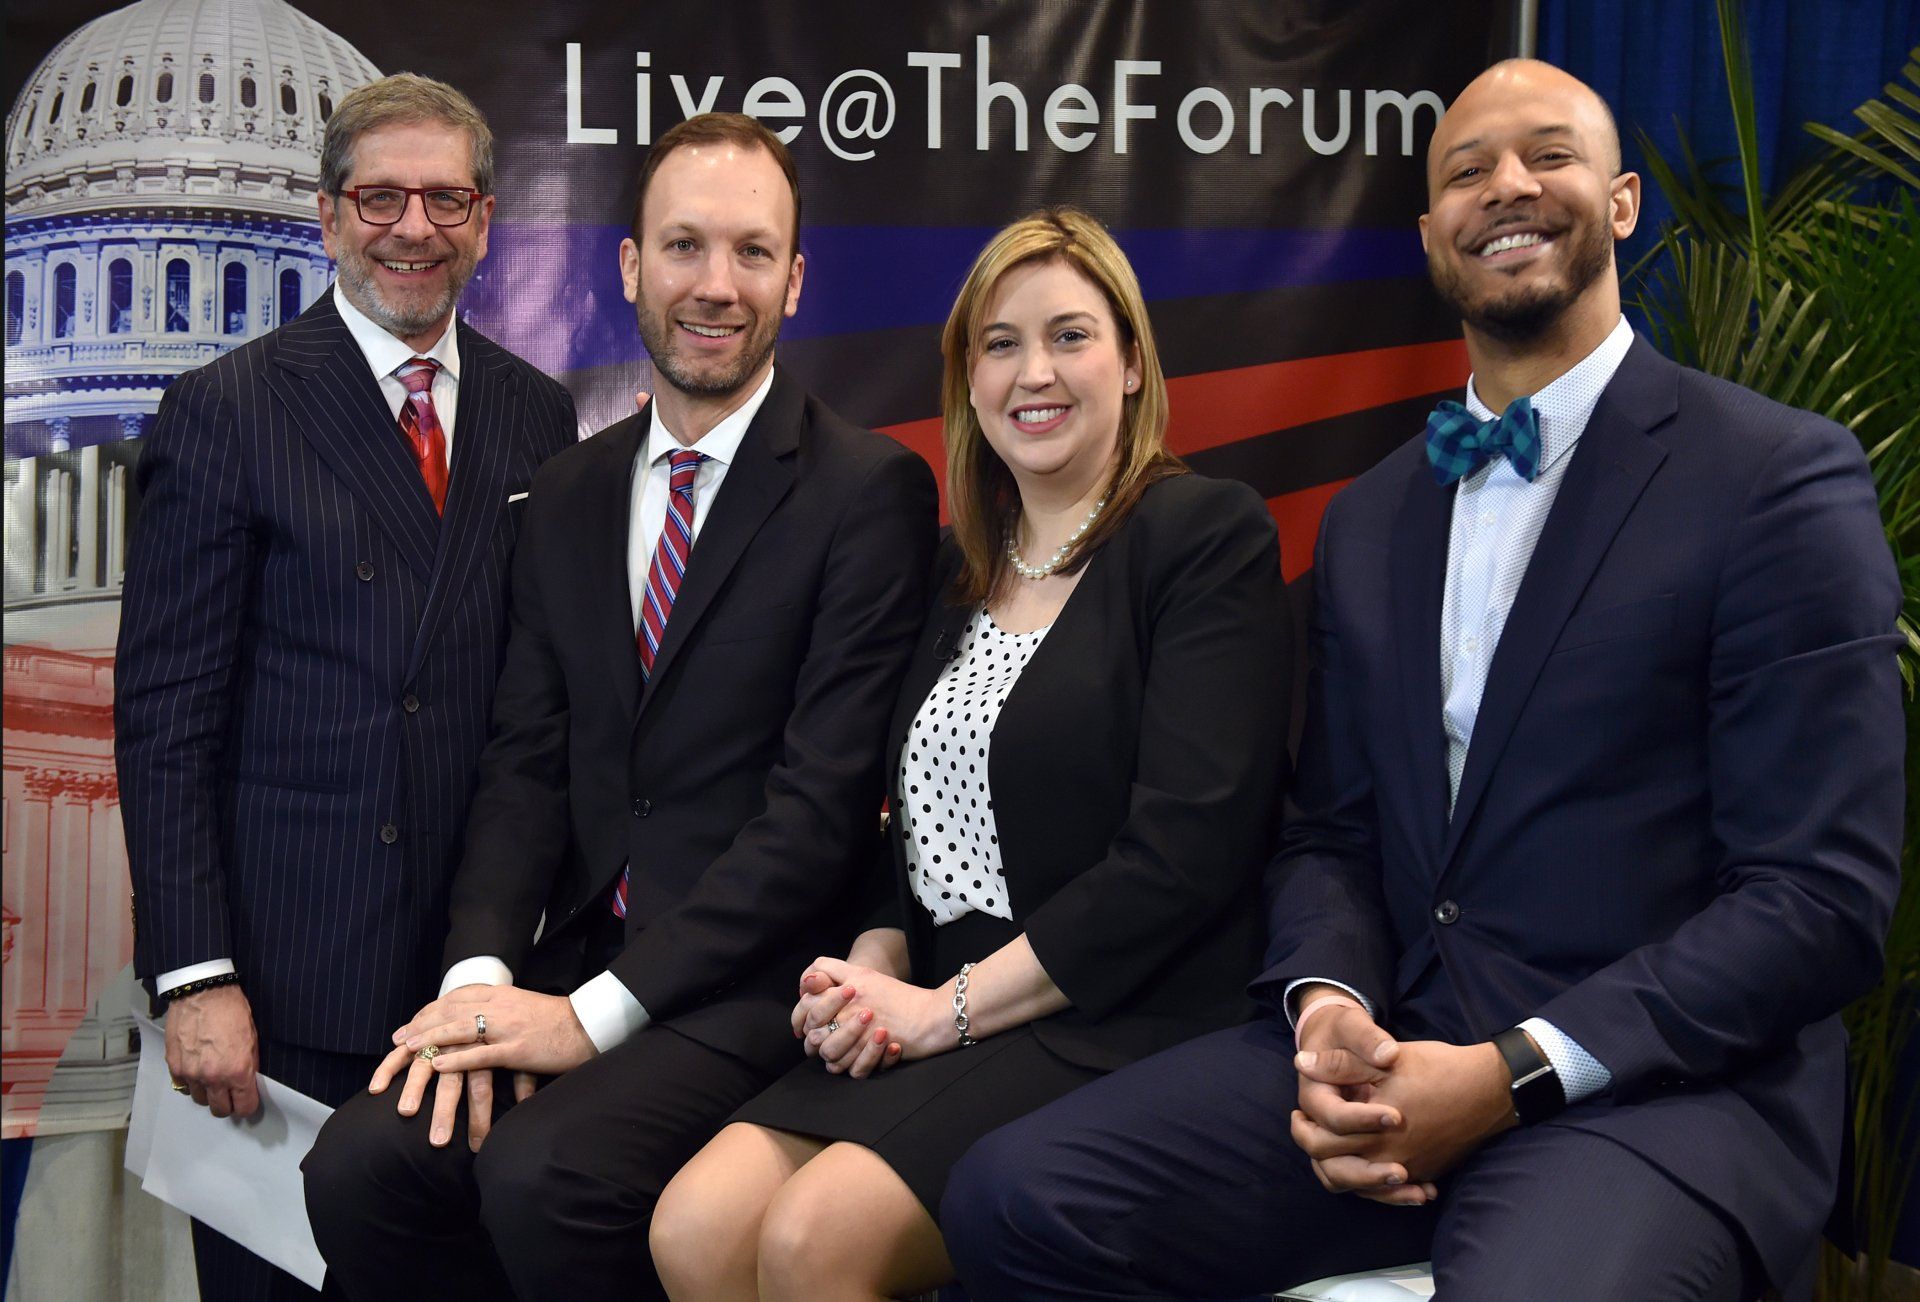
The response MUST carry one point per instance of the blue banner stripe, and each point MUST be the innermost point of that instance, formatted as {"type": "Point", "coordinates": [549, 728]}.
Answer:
{"type": "Point", "coordinates": [862, 278]}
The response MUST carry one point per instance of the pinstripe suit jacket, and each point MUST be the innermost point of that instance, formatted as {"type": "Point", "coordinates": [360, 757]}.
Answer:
{"type": "Point", "coordinates": [306, 670]}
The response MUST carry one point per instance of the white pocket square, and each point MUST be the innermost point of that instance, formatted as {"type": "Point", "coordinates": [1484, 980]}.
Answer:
{"type": "Point", "coordinates": [515, 497]}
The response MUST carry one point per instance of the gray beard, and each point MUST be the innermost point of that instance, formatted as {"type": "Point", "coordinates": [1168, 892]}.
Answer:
{"type": "Point", "coordinates": [356, 279]}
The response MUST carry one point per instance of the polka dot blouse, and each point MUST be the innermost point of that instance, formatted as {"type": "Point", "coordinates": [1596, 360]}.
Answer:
{"type": "Point", "coordinates": [953, 848]}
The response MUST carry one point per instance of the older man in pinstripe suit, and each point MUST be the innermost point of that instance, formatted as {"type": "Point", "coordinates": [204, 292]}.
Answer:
{"type": "Point", "coordinates": [314, 620]}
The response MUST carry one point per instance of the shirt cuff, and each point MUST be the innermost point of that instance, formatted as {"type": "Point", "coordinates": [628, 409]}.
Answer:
{"type": "Point", "coordinates": [1581, 1075]}
{"type": "Point", "coordinates": [480, 970]}
{"type": "Point", "coordinates": [608, 1011]}
{"type": "Point", "coordinates": [194, 972]}
{"type": "Point", "coordinates": [1293, 1014]}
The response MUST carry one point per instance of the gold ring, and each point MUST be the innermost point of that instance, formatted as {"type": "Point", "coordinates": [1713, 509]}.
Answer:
{"type": "Point", "coordinates": [428, 1052]}
{"type": "Point", "coordinates": [178, 1088]}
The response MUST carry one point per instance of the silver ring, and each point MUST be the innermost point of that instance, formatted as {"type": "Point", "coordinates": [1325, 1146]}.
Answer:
{"type": "Point", "coordinates": [832, 1027]}
{"type": "Point", "coordinates": [480, 1027]}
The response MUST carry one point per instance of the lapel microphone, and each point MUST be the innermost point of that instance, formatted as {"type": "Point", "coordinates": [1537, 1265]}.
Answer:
{"type": "Point", "coordinates": [945, 648]}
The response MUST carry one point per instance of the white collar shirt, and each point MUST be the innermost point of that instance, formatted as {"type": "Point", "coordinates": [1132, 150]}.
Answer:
{"type": "Point", "coordinates": [647, 506]}
{"type": "Point", "coordinates": [1497, 518]}
{"type": "Point", "coordinates": [386, 354]}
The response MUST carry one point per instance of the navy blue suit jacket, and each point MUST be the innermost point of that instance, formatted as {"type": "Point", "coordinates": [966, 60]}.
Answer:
{"type": "Point", "coordinates": [306, 669]}
{"type": "Point", "coordinates": [1676, 836]}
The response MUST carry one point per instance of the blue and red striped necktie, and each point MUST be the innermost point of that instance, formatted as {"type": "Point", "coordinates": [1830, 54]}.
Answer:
{"type": "Point", "coordinates": [663, 585]}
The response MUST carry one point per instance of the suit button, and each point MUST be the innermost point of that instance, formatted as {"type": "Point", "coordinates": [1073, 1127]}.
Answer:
{"type": "Point", "coordinates": [641, 808]}
{"type": "Point", "coordinates": [365, 570]}
{"type": "Point", "coordinates": [410, 703]}
{"type": "Point", "coordinates": [1446, 913]}
{"type": "Point", "coordinates": [389, 833]}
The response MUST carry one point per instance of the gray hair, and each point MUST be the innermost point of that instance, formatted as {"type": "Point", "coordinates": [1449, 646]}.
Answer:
{"type": "Point", "coordinates": [402, 98]}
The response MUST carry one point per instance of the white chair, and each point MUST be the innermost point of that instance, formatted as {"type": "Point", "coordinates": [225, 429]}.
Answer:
{"type": "Point", "coordinates": [1398, 1284]}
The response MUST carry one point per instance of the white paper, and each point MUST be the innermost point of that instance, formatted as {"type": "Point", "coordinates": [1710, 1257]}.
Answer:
{"type": "Point", "coordinates": [241, 1177]}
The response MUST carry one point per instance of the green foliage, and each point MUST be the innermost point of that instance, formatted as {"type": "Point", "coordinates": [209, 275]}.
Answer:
{"type": "Point", "coordinates": [1812, 297]}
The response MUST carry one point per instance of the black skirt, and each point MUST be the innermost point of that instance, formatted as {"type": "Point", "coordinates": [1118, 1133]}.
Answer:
{"type": "Point", "coordinates": [922, 1116]}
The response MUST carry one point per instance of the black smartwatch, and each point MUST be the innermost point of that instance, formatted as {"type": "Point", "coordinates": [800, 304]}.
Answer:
{"type": "Point", "coordinates": [1537, 1093]}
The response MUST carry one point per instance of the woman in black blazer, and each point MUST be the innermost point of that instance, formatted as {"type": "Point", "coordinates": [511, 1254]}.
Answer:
{"type": "Point", "coordinates": [1087, 763]}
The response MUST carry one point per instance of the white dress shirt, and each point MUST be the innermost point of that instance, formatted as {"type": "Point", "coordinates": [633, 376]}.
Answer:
{"type": "Point", "coordinates": [1497, 519]}
{"type": "Point", "coordinates": [385, 355]}
{"type": "Point", "coordinates": [606, 1008]}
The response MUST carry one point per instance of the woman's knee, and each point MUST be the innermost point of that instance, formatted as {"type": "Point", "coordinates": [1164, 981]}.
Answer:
{"type": "Point", "coordinates": [701, 1224]}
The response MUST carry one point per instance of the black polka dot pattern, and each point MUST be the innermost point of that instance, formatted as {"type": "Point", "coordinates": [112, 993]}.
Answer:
{"type": "Point", "coordinates": [953, 847]}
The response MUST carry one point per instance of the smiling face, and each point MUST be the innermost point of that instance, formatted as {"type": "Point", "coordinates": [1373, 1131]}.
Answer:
{"type": "Point", "coordinates": [407, 277]}
{"type": "Point", "coordinates": [1050, 370]}
{"type": "Point", "coordinates": [713, 269]}
{"type": "Point", "coordinates": [1525, 202]}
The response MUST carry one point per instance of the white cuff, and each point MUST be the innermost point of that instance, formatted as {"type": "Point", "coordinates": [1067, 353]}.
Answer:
{"type": "Point", "coordinates": [1581, 1075]}
{"type": "Point", "coordinates": [194, 972]}
{"type": "Point", "coordinates": [480, 970]}
{"type": "Point", "coordinates": [608, 1011]}
{"type": "Point", "coordinates": [1293, 1014]}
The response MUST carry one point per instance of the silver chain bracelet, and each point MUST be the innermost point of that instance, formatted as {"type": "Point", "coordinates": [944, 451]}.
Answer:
{"type": "Point", "coordinates": [960, 1006]}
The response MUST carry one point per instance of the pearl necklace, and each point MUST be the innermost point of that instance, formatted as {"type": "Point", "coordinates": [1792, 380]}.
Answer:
{"type": "Point", "coordinates": [1027, 571]}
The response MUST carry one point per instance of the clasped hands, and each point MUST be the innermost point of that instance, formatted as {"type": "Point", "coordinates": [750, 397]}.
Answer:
{"type": "Point", "coordinates": [1385, 1118]}
{"type": "Point", "coordinates": [859, 1020]}
{"type": "Point", "coordinates": [527, 1033]}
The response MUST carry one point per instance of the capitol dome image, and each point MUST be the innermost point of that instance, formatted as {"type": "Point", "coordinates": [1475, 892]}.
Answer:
{"type": "Point", "coordinates": [162, 163]}
{"type": "Point", "coordinates": [162, 168]}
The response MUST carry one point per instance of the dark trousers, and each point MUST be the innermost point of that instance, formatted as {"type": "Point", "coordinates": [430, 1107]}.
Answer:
{"type": "Point", "coordinates": [227, 1271]}
{"type": "Point", "coordinates": [1176, 1178]}
{"type": "Point", "coordinates": [556, 1204]}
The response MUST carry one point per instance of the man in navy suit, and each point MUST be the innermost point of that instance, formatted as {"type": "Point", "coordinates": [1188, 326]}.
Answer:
{"type": "Point", "coordinates": [314, 619]}
{"type": "Point", "coordinates": [1595, 829]}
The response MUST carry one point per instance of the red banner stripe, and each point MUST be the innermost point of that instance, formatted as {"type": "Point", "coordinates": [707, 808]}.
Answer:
{"type": "Point", "coordinates": [1216, 407]}
{"type": "Point", "coordinates": [1298, 515]}
{"type": "Point", "coordinates": [1212, 408]}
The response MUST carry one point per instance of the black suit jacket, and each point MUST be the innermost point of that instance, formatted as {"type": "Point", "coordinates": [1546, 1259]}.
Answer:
{"type": "Point", "coordinates": [306, 667]}
{"type": "Point", "coordinates": [1137, 769]}
{"type": "Point", "coordinates": [743, 781]}
{"type": "Point", "coordinates": [1677, 831]}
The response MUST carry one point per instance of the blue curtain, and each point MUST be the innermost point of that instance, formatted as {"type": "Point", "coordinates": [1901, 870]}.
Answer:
{"type": "Point", "coordinates": [1658, 63]}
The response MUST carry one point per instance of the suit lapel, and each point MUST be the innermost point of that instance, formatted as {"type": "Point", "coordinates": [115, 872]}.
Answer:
{"type": "Point", "coordinates": [604, 524]}
{"type": "Point", "coordinates": [322, 377]}
{"type": "Point", "coordinates": [1419, 577]}
{"type": "Point", "coordinates": [477, 483]}
{"type": "Point", "coordinates": [761, 475]}
{"type": "Point", "coordinates": [1609, 470]}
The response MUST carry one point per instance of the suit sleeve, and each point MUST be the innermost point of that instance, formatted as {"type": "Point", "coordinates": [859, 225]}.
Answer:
{"type": "Point", "coordinates": [1805, 743]}
{"type": "Point", "coordinates": [823, 796]}
{"type": "Point", "coordinates": [190, 574]}
{"type": "Point", "coordinates": [1326, 913]}
{"type": "Point", "coordinates": [1210, 769]}
{"type": "Point", "coordinates": [518, 826]}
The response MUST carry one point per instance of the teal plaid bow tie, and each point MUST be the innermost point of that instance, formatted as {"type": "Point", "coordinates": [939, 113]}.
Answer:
{"type": "Point", "coordinates": [1458, 444]}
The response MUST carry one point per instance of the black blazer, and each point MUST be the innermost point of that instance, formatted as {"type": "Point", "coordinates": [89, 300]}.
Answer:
{"type": "Point", "coordinates": [306, 668]}
{"type": "Point", "coordinates": [1677, 834]}
{"type": "Point", "coordinates": [743, 782]}
{"type": "Point", "coordinates": [1136, 769]}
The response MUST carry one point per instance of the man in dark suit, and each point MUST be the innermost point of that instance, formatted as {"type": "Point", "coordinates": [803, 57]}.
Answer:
{"type": "Point", "coordinates": [314, 619]}
{"type": "Point", "coordinates": [1595, 829]}
{"type": "Point", "coordinates": [713, 606]}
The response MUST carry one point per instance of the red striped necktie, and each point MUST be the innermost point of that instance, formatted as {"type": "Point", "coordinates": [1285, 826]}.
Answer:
{"type": "Point", "coordinates": [421, 426]}
{"type": "Point", "coordinates": [663, 585]}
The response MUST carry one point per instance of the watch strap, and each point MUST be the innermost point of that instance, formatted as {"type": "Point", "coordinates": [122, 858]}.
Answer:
{"type": "Point", "coordinates": [1536, 1090]}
